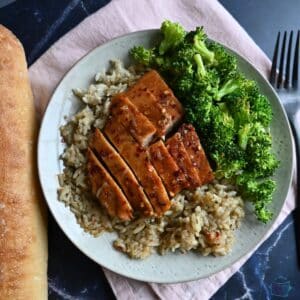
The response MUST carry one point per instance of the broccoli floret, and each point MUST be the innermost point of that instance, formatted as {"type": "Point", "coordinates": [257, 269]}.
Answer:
{"type": "Point", "coordinates": [190, 115]}
{"type": "Point", "coordinates": [204, 110]}
{"type": "Point", "coordinates": [224, 63]}
{"type": "Point", "coordinates": [259, 192]}
{"type": "Point", "coordinates": [163, 63]}
{"type": "Point", "coordinates": [226, 118]}
{"type": "Point", "coordinates": [261, 110]}
{"type": "Point", "coordinates": [220, 130]}
{"type": "Point", "coordinates": [201, 107]}
{"type": "Point", "coordinates": [173, 34]}
{"type": "Point", "coordinates": [229, 87]}
{"type": "Point", "coordinates": [229, 163]}
{"type": "Point", "coordinates": [199, 42]}
{"type": "Point", "coordinates": [183, 86]}
{"type": "Point", "coordinates": [261, 160]}
{"type": "Point", "coordinates": [142, 55]}
{"type": "Point", "coordinates": [263, 214]}
{"type": "Point", "coordinates": [260, 107]}
{"type": "Point", "coordinates": [223, 149]}
{"type": "Point", "coordinates": [239, 108]}
{"type": "Point", "coordinates": [251, 89]}
{"type": "Point", "coordinates": [182, 61]}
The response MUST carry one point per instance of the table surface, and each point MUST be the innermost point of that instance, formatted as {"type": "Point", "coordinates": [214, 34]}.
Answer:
{"type": "Point", "coordinates": [271, 273]}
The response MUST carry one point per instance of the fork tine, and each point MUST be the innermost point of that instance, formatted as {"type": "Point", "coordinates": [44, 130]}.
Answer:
{"type": "Point", "coordinates": [288, 62]}
{"type": "Point", "coordinates": [274, 61]}
{"type": "Point", "coordinates": [280, 74]}
{"type": "Point", "coordinates": [296, 62]}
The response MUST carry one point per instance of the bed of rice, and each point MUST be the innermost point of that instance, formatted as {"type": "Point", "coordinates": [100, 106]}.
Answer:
{"type": "Point", "coordinates": [203, 220]}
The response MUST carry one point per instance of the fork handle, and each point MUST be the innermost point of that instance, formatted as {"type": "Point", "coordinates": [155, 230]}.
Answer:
{"type": "Point", "coordinates": [295, 124]}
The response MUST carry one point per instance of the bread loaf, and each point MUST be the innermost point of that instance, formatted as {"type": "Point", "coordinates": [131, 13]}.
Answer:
{"type": "Point", "coordinates": [23, 237]}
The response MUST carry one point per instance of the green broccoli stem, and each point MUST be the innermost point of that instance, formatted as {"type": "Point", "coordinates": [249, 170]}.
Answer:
{"type": "Point", "coordinates": [229, 87]}
{"type": "Point", "coordinates": [243, 136]}
{"type": "Point", "coordinates": [200, 66]}
{"type": "Point", "coordinates": [205, 53]}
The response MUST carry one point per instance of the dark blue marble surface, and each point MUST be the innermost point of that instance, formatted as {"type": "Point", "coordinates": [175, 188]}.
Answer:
{"type": "Point", "coordinates": [272, 272]}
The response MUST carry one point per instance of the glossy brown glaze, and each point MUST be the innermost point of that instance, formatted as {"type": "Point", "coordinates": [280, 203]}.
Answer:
{"type": "Point", "coordinates": [137, 158]}
{"type": "Point", "coordinates": [106, 190]}
{"type": "Point", "coordinates": [132, 119]}
{"type": "Point", "coordinates": [196, 153]}
{"type": "Point", "coordinates": [121, 172]}
{"type": "Point", "coordinates": [147, 104]}
{"type": "Point", "coordinates": [158, 87]}
{"type": "Point", "coordinates": [176, 148]}
{"type": "Point", "coordinates": [165, 165]}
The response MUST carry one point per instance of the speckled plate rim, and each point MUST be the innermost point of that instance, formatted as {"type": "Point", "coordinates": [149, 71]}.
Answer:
{"type": "Point", "coordinates": [45, 171]}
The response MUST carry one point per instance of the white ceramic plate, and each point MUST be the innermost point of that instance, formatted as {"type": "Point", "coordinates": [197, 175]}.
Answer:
{"type": "Point", "coordinates": [174, 267]}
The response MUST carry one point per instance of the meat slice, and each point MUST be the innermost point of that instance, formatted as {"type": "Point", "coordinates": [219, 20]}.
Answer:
{"type": "Point", "coordinates": [132, 119]}
{"type": "Point", "coordinates": [166, 167]}
{"type": "Point", "coordinates": [197, 155]}
{"type": "Point", "coordinates": [176, 148]}
{"type": "Point", "coordinates": [158, 87]}
{"type": "Point", "coordinates": [139, 161]}
{"type": "Point", "coordinates": [148, 104]}
{"type": "Point", "coordinates": [106, 190]}
{"type": "Point", "coordinates": [121, 172]}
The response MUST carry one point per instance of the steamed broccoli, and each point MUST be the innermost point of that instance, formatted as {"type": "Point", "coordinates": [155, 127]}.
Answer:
{"type": "Point", "coordinates": [228, 88]}
{"type": "Point", "coordinates": [261, 110]}
{"type": "Point", "coordinates": [143, 55]}
{"type": "Point", "coordinates": [239, 108]}
{"type": "Point", "coordinates": [199, 41]}
{"type": "Point", "coordinates": [259, 192]}
{"type": "Point", "coordinates": [173, 34]}
{"type": "Point", "coordinates": [201, 71]}
{"type": "Point", "coordinates": [230, 115]}
{"type": "Point", "coordinates": [225, 63]}
{"type": "Point", "coordinates": [243, 135]}
{"type": "Point", "coordinates": [229, 163]}
{"type": "Point", "coordinates": [261, 160]}
{"type": "Point", "coordinates": [182, 62]}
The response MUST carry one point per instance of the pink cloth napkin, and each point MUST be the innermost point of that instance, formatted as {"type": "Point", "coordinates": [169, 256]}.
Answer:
{"type": "Point", "coordinates": [123, 16]}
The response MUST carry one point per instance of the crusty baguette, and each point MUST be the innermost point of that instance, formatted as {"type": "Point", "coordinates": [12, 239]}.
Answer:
{"type": "Point", "coordinates": [23, 237]}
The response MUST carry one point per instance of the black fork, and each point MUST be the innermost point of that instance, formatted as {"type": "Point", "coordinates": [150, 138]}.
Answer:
{"type": "Point", "coordinates": [290, 98]}
{"type": "Point", "coordinates": [282, 78]}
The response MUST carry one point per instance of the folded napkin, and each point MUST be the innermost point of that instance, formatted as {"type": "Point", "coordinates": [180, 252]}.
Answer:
{"type": "Point", "coordinates": [123, 16]}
